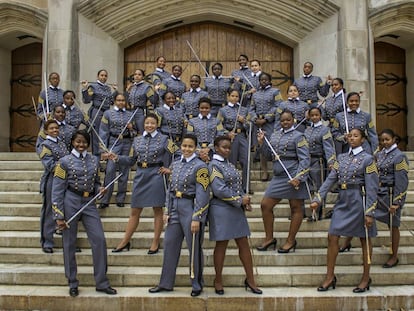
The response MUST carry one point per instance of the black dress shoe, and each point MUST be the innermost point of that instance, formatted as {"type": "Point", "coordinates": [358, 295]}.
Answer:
{"type": "Point", "coordinates": [47, 250]}
{"type": "Point", "coordinates": [219, 291]}
{"type": "Point", "coordinates": [158, 289]}
{"type": "Point", "coordinates": [103, 205]}
{"type": "Point", "coordinates": [109, 290]}
{"type": "Point", "coordinates": [195, 293]}
{"type": "Point", "coordinates": [121, 249]}
{"type": "Point", "coordinates": [73, 292]}
{"type": "Point", "coordinates": [358, 290]}
{"type": "Point", "coordinates": [386, 265]}
{"type": "Point", "coordinates": [152, 252]}
{"type": "Point", "coordinates": [120, 204]}
{"type": "Point", "coordinates": [325, 289]}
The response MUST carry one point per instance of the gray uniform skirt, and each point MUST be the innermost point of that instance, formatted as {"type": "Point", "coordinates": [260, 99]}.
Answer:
{"type": "Point", "coordinates": [348, 218]}
{"type": "Point", "coordinates": [148, 188]}
{"type": "Point", "coordinates": [226, 222]}
{"type": "Point", "coordinates": [382, 213]}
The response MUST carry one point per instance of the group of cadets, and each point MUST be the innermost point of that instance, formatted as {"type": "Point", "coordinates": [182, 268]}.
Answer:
{"type": "Point", "coordinates": [168, 129]}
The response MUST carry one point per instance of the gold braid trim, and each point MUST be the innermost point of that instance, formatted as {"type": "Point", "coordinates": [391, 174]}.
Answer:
{"type": "Point", "coordinates": [190, 128]}
{"type": "Point", "coordinates": [371, 124]}
{"type": "Point", "coordinates": [400, 196]}
{"type": "Point", "coordinates": [215, 173]}
{"type": "Point", "coordinates": [202, 177]}
{"type": "Point", "coordinates": [327, 136]}
{"type": "Point", "coordinates": [45, 151]}
{"type": "Point", "coordinates": [200, 211]}
{"type": "Point", "coordinates": [402, 166]}
{"type": "Point", "coordinates": [90, 91]}
{"type": "Point", "coordinates": [57, 210]}
{"type": "Point", "coordinates": [150, 92]}
{"type": "Point", "coordinates": [373, 206]}
{"type": "Point", "coordinates": [171, 146]}
{"type": "Point", "coordinates": [335, 123]}
{"type": "Point", "coordinates": [372, 168]}
{"type": "Point", "coordinates": [332, 158]}
{"type": "Point", "coordinates": [104, 120]}
{"type": "Point", "coordinates": [302, 172]}
{"type": "Point", "coordinates": [278, 97]}
{"type": "Point", "coordinates": [302, 143]}
{"type": "Point", "coordinates": [60, 172]}
{"type": "Point", "coordinates": [231, 198]}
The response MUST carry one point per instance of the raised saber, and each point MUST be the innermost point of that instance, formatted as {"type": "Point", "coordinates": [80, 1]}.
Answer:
{"type": "Point", "coordinates": [276, 155]}
{"type": "Point", "coordinates": [96, 115]}
{"type": "Point", "coordinates": [123, 130]}
{"type": "Point", "coordinates": [198, 59]}
{"type": "Point", "coordinates": [91, 201]}
{"type": "Point", "coordinates": [46, 94]}
{"type": "Point", "coordinates": [345, 112]}
{"type": "Point", "coordinates": [248, 81]}
{"type": "Point", "coordinates": [303, 120]}
{"type": "Point", "coordinates": [192, 257]}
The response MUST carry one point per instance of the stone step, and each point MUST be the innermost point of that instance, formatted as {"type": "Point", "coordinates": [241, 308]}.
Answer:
{"type": "Point", "coordinates": [305, 239]}
{"type": "Point", "coordinates": [43, 274]}
{"type": "Point", "coordinates": [301, 257]}
{"type": "Point", "coordinates": [274, 298]}
{"type": "Point", "coordinates": [281, 210]}
{"type": "Point", "coordinates": [35, 197]}
{"type": "Point", "coordinates": [118, 224]}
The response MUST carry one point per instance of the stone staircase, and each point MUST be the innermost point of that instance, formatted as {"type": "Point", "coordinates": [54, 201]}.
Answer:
{"type": "Point", "coordinates": [30, 279]}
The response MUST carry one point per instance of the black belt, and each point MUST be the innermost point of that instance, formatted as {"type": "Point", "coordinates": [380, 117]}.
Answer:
{"type": "Point", "coordinates": [181, 195]}
{"type": "Point", "coordinates": [316, 156]}
{"type": "Point", "coordinates": [288, 158]}
{"type": "Point", "coordinates": [146, 164]}
{"type": "Point", "coordinates": [345, 186]}
{"type": "Point", "coordinates": [385, 185]}
{"type": "Point", "coordinates": [83, 194]}
{"type": "Point", "coordinates": [125, 135]}
{"type": "Point", "coordinates": [217, 105]}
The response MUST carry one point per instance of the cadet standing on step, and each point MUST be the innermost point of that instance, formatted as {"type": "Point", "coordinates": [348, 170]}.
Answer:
{"type": "Point", "coordinates": [101, 96]}
{"type": "Point", "coordinates": [187, 202]}
{"type": "Point", "coordinates": [52, 149]}
{"type": "Point", "coordinates": [54, 95]}
{"type": "Point", "coordinates": [75, 183]}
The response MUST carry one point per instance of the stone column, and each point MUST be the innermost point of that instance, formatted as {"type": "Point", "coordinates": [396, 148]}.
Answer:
{"type": "Point", "coordinates": [353, 50]}
{"type": "Point", "coordinates": [61, 42]}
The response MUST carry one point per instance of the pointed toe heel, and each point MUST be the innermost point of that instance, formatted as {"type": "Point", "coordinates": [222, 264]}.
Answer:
{"type": "Point", "coordinates": [358, 290]}
{"type": "Point", "coordinates": [325, 289]}
{"type": "Point", "coordinates": [264, 248]}
{"type": "Point", "coordinates": [285, 251]}
{"type": "Point", "coordinates": [345, 249]}
{"type": "Point", "coordinates": [126, 247]}
{"type": "Point", "coordinates": [256, 291]}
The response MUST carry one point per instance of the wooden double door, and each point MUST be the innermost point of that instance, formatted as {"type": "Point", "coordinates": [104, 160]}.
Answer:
{"type": "Point", "coordinates": [212, 42]}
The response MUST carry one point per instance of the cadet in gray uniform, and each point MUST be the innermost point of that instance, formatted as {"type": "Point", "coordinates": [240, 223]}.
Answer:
{"type": "Point", "coordinates": [356, 118]}
{"type": "Point", "coordinates": [117, 132]}
{"type": "Point", "coordinates": [101, 97]}
{"type": "Point", "coordinates": [240, 83]}
{"type": "Point", "coordinates": [52, 149]}
{"type": "Point", "coordinates": [141, 97]}
{"type": "Point", "coordinates": [66, 130]}
{"type": "Point", "coordinates": [190, 100]}
{"type": "Point", "coordinates": [321, 150]}
{"type": "Point", "coordinates": [235, 120]}
{"type": "Point", "coordinates": [293, 151]}
{"type": "Point", "coordinates": [160, 73]}
{"type": "Point", "coordinates": [216, 87]}
{"type": "Point", "coordinates": [171, 120]}
{"type": "Point", "coordinates": [187, 201]}
{"type": "Point", "coordinates": [309, 85]}
{"type": "Point", "coordinates": [333, 105]}
{"type": "Point", "coordinates": [298, 107]}
{"type": "Point", "coordinates": [205, 128]}
{"type": "Point", "coordinates": [393, 177]}
{"type": "Point", "coordinates": [226, 214]}
{"type": "Point", "coordinates": [357, 178]}
{"type": "Point", "coordinates": [73, 115]}
{"type": "Point", "coordinates": [173, 84]}
{"type": "Point", "coordinates": [262, 110]}
{"type": "Point", "coordinates": [75, 182]}
{"type": "Point", "coordinates": [152, 152]}
{"type": "Point", "coordinates": [54, 97]}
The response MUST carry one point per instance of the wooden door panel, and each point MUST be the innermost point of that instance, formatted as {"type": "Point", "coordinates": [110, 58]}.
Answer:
{"type": "Point", "coordinates": [25, 83]}
{"type": "Point", "coordinates": [213, 42]}
{"type": "Point", "coordinates": [390, 90]}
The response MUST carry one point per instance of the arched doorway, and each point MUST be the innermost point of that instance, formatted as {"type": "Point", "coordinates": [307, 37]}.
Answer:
{"type": "Point", "coordinates": [390, 90]}
{"type": "Point", "coordinates": [213, 42]}
{"type": "Point", "coordinates": [25, 85]}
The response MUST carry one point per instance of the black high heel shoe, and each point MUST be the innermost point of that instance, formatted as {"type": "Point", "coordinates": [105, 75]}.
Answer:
{"type": "Point", "coordinates": [152, 252]}
{"type": "Point", "coordinates": [218, 291]}
{"type": "Point", "coordinates": [346, 248]}
{"type": "Point", "coordinates": [359, 290]}
{"type": "Point", "coordinates": [265, 247]}
{"type": "Point", "coordinates": [253, 290]}
{"type": "Point", "coordinates": [285, 251]}
{"type": "Point", "coordinates": [121, 249]}
{"type": "Point", "coordinates": [325, 289]}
